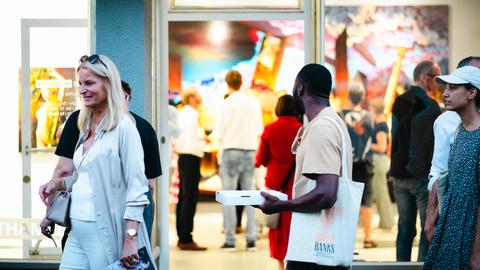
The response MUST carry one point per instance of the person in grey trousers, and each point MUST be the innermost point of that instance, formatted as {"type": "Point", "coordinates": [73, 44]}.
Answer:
{"type": "Point", "coordinates": [238, 129]}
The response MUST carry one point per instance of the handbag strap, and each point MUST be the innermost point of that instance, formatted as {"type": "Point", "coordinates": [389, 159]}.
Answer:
{"type": "Point", "coordinates": [81, 141]}
{"type": "Point", "coordinates": [75, 174]}
{"type": "Point", "coordinates": [289, 175]}
{"type": "Point", "coordinates": [368, 145]}
{"type": "Point", "coordinates": [343, 146]}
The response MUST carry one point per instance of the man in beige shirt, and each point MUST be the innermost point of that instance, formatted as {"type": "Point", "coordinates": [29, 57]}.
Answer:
{"type": "Point", "coordinates": [318, 149]}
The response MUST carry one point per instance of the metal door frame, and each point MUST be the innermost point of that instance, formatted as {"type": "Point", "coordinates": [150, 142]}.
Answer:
{"type": "Point", "coordinates": [26, 25]}
{"type": "Point", "coordinates": [162, 15]}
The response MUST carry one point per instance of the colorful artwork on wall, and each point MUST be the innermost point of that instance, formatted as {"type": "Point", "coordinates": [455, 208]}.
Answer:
{"type": "Point", "coordinates": [268, 54]}
{"type": "Point", "coordinates": [53, 98]}
{"type": "Point", "coordinates": [380, 45]}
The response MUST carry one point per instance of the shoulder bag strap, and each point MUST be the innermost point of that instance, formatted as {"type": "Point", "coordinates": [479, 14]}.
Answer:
{"type": "Point", "coordinates": [80, 141]}
{"type": "Point", "coordinates": [367, 147]}
{"type": "Point", "coordinates": [343, 146]}
{"type": "Point", "coordinates": [289, 175]}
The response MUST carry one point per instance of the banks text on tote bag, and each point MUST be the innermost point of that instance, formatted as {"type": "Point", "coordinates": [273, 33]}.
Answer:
{"type": "Point", "coordinates": [328, 237]}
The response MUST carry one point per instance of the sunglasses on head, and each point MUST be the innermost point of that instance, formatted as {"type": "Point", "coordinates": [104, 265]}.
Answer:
{"type": "Point", "coordinates": [93, 59]}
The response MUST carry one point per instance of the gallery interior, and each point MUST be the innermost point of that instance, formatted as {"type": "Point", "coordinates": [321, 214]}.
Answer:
{"type": "Point", "coordinates": [166, 47]}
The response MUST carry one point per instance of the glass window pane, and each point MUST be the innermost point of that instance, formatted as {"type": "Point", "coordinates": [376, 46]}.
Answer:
{"type": "Point", "coordinates": [374, 50]}
{"type": "Point", "coordinates": [380, 46]}
{"type": "Point", "coordinates": [54, 96]}
{"type": "Point", "coordinates": [54, 54]}
{"type": "Point", "coordinates": [268, 55]}
{"type": "Point", "coordinates": [14, 228]}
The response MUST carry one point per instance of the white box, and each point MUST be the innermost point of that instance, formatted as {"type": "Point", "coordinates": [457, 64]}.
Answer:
{"type": "Point", "coordinates": [245, 197]}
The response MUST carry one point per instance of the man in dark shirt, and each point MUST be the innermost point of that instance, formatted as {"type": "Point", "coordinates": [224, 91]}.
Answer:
{"type": "Point", "coordinates": [66, 148]}
{"type": "Point", "coordinates": [413, 114]}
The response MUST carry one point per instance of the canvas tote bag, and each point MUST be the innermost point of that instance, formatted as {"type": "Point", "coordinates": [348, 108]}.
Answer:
{"type": "Point", "coordinates": [328, 237]}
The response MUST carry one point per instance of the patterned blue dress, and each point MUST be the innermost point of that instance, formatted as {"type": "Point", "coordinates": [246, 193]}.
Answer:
{"type": "Point", "coordinates": [453, 239]}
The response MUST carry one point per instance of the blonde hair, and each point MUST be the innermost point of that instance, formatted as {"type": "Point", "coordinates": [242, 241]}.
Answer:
{"type": "Point", "coordinates": [356, 92]}
{"type": "Point", "coordinates": [188, 93]}
{"type": "Point", "coordinates": [377, 105]}
{"type": "Point", "coordinates": [108, 73]}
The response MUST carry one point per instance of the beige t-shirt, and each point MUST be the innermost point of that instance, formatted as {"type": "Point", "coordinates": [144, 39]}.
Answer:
{"type": "Point", "coordinates": [320, 151]}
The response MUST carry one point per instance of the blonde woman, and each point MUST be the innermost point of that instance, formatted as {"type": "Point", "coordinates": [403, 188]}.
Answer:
{"type": "Point", "coordinates": [108, 194]}
{"type": "Point", "coordinates": [380, 163]}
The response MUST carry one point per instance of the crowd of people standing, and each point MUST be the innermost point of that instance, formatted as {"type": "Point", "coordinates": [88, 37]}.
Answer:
{"type": "Point", "coordinates": [109, 161]}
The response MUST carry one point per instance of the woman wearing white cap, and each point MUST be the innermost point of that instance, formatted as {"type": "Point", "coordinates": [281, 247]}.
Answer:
{"type": "Point", "coordinates": [456, 241]}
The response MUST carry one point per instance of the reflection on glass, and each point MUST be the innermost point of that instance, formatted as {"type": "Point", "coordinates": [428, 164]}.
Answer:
{"type": "Point", "coordinates": [380, 46]}
{"type": "Point", "coordinates": [268, 55]}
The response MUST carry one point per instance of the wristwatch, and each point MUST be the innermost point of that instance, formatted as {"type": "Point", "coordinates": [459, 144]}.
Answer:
{"type": "Point", "coordinates": [131, 232]}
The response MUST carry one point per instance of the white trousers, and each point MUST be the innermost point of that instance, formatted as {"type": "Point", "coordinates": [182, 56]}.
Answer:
{"type": "Point", "coordinates": [83, 249]}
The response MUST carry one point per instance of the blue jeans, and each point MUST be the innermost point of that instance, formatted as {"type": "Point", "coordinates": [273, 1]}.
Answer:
{"type": "Point", "coordinates": [148, 213]}
{"type": "Point", "coordinates": [411, 195]}
{"type": "Point", "coordinates": [238, 167]}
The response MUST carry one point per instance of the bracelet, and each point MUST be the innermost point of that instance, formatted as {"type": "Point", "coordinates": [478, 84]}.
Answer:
{"type": "Point", "coordinates": [60, 183]}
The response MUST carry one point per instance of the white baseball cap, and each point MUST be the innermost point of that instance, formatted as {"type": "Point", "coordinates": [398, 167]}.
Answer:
{"type": "Point", "coordinates": [463, 75]}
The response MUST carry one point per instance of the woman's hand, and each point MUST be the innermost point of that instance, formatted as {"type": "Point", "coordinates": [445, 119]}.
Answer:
{"type": "Point", "coordinates": [431, 225]}
{"type": "Point", "coordinates": [130, 252]}
{"type": "Point", "coordinates": [47, 227]}
{"type": "Point", "coordinates": [433, 212]}
{"type": "Point", "coordinates": [474, 262]}
{"type": "Point", "coordinates": [48, 189]}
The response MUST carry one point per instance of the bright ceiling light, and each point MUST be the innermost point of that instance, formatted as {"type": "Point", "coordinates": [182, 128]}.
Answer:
{"type": "Point", "coordinates": [218, 32]}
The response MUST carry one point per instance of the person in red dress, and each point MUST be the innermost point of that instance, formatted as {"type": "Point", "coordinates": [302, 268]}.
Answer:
{"type": "Point", "coordinates": [275, 154]}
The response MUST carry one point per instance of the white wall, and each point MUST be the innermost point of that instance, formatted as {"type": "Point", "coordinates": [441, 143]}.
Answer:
{"type": "Point", "coordinates": [464, 29]}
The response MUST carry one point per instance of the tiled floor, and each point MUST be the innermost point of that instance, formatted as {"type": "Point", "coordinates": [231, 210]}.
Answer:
{"type": "Point", "coordinates": [208, 232]}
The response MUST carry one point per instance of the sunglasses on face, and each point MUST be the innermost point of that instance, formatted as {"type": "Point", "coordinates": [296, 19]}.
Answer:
{"type": "Point", "coordinates": [93, 59]}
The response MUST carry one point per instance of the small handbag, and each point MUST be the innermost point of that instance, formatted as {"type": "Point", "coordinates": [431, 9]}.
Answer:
{"type": "Point", "coordinates": [271, 221]}
{"type": "Point", "coordinates": [59, 211]}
